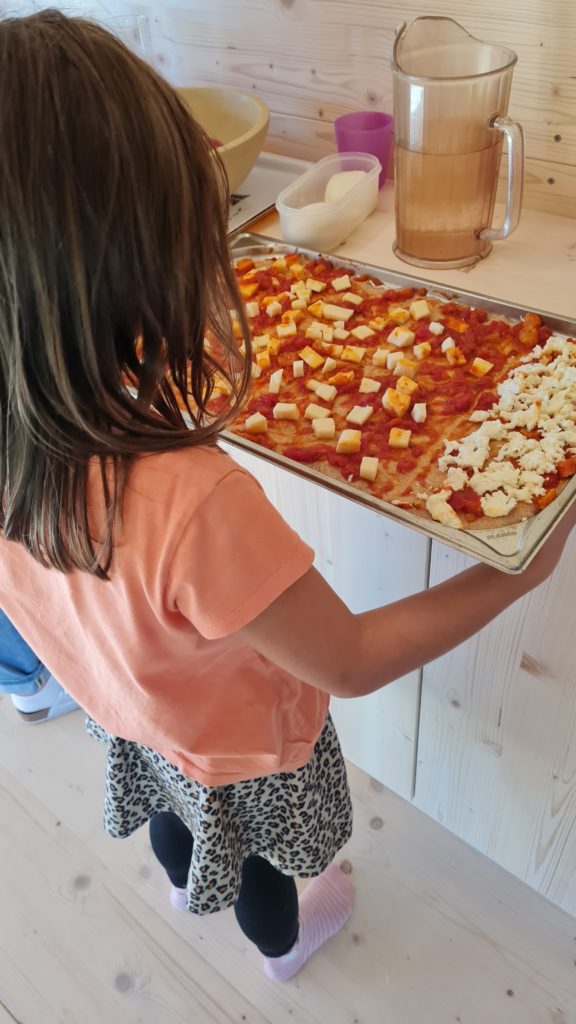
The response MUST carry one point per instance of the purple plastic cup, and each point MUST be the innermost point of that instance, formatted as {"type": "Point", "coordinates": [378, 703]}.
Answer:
{"type": "Point", "coordinates": [366, 131]}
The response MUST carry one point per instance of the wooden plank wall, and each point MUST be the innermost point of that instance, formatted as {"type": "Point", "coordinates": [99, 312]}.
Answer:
{"type": "Point", "coordinates": [314, 59]}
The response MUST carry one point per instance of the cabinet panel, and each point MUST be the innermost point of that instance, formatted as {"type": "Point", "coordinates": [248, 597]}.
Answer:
{"type": "Point", "coordinates": [497, 745]}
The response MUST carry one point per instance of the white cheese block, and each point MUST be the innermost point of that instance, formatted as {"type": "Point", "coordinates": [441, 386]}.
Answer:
{"type": "Point", "coordinates": [252, 309]}
{"type": "Point", "coordinates": [340, 284]}
{"type": "Point", "coordinates": [359, 415]}
{"type": "Point", "coordinates": [369, 468]}
{"type": "Point", "coordinates": [329, 365]}
{"type": "Point", "coordinates": [401, 337]}
{"type": "Point", "coordinates": [435, 327]}
{"type": "Point", "coordinates": [273, 308]}
{"type": "Point", "coordinates": [298, 368]}
{"type": "Point", "coordinates": [448, 343]}
{"type": "Point", "coordinates": [362, 332]}
{"type": "Point", "coordinates": [369, 386]}
{"type": "Point", "coordinates": [327, 392]}
{"type": "Point", "coordinates": [324, 429]}
{"type": "Point", "coordinates": [332, 312]}
{"type": "Point", "coordinates": [285, 411]}
{"type": "Point", "coordinates": [419, 412]}
{"type": "Point", "coordinates": [316, 412]}
{"type": "Point", "coordinates": [275, 382]}
{"type": "Point", "coordinates": [419, 309]}
{"type": "Point", "coordinates": [349, 442]}
{"type": "Point", "coordinates": [256, 424]}
{"type": "Point", "coordinates": [315, 286]}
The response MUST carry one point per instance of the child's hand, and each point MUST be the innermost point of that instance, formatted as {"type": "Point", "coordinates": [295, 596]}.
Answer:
{"type": "Point", "coordinates": [543, 564]}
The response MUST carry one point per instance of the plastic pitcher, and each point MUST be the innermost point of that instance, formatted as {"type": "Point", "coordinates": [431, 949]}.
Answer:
{"type": "Point", "coordinates": [451, 95]}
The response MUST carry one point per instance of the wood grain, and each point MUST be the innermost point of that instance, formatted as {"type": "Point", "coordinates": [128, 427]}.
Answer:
{"type": "Point", "coordinates": [312, 60]}
{"type": "Point", "coordinates": [438, 932]}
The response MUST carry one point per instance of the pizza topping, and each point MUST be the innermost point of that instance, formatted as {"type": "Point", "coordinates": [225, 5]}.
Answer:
{"type": "Point", "coordinates": [422, 350]}
{"type": "Point", "coordinates": [356, 300]}
{"type": "Point", "coordinates": [396, 402]}
{"type": "Point", "coordinates": [311, 357]}
{"type": "Point", "coordinates": [480, 367]}
{"type": "Point", "coordinates": [275, 382]}
{"type": "Point", "coordinates": [399, 314]}
{"type": "Point", "coordinates": [324, 429]}
{"type": "Point", "coordinates": [349, 441]}
{"type": "Point", "coordinates": [419, 412]}
{"type": "Point", "coordinates": [447, 344]}
{"type": "Point", "coordinates": [329, 365]}
{"type": "Point", "coordinates": [405, 368]}
{"type": "Point", "coordinates": [298, 368]}
{"type": "Point", "coordinates": [252, 309]}
{"type": "Point", "coordinates": [340, 284]}
{"type": "Point", "coordinates": [438, 507]}
{"type": "Point", "coordinates": [273, 308]}
{"type": "Point", "coordinates": [286, 411]}
{"type": "Point", "coordinates": [359, 414]}
{"type": "Point", "coordinates": [316, 412]}
{"type": "Point", "coordinates": [369, 386]}
{"type": "Point", "coordinates": [362, 332]}
{"type": "Point", "coordinates": [419, 309]}
{"type": "Point", "coordinates": [435, 327]}
{"type": "Point", "coordinates": [401, 337]}
{"type": "Point", "coordinates": [315, 286]}
{"type": "Point", "coordinates": [399, 438]}
{"type": "Point", "coordinates": [327, 392]}
{"type": "Point", "coordinates": [353, 353]}
{"type": "Point", "coordinates": [256, 424]}
{"type": "Point", "coordinates": [369, 468]}
{"type": "Point", "coordinates": [406, 384]}
{"type": "Point", "coordinates": [342, 313]}
{"type": "Point", "coordinates": [455, 356]}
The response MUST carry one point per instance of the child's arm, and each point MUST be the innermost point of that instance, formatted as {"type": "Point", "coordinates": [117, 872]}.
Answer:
{"type": "Point", "coordinates": [311, 633]}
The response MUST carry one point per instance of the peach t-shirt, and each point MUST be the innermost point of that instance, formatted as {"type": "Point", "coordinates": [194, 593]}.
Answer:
{"type": "Point", "coordinates": [152, 655]}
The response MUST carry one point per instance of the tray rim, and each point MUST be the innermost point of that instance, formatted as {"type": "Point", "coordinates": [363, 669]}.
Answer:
{"type": "Point", "coordinates": [508, 548]}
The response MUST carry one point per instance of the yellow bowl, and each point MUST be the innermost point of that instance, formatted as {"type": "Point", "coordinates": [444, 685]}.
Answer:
{"type": "Point", "coordinates": [238, 120]}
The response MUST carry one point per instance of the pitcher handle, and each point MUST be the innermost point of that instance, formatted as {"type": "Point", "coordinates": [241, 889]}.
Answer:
{"type": "Point", "coordinates": [515, 140]}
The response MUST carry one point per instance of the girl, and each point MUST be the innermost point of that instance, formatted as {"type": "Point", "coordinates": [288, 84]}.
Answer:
{"type": "Point", "coordinates": [146, 570]}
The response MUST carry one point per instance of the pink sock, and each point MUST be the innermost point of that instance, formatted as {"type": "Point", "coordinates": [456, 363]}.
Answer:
{"type": "Point", "coordinates": [325, 906]}
{"type": "Point", "coordinates": [178, 898]}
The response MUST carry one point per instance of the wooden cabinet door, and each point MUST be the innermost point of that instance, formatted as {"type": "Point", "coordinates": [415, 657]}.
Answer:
{"type": "Point", "coordinates": [369, 561]}
{"type": "Point", "coordinates": [497, 745]}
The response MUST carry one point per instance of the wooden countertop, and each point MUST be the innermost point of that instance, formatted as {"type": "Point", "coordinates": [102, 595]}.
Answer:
{"type": "Point", "coordinates": [536, 266]}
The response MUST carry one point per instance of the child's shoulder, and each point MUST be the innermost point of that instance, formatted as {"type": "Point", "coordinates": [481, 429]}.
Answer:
{"type": "Point", "coordinates": [186, 476]}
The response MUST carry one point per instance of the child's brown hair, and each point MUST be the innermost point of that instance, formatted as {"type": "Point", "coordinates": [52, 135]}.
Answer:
{"type": "Point", "coordinates": [113, 264]}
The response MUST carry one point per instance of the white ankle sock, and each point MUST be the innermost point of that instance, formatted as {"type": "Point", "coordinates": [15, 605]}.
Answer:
{"type": "Point", "coordinates": [325, 906]}
{"type": "Point", "coordinates": [178, 898]}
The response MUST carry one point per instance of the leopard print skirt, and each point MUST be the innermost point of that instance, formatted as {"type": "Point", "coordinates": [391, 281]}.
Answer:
{"type": "Point", "coordinates": [295, 820]}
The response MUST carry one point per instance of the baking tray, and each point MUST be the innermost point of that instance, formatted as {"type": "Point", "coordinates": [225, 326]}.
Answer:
{"type": "Point", "coordinates": [508, 548]}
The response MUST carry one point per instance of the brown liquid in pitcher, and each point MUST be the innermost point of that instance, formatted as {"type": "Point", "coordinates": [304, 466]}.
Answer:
{"type": "Point", "coordinates": [443, 200]}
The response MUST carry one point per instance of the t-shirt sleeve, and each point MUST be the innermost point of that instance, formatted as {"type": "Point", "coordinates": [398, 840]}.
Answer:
{"type": "Point", "coordinates": [236, 555]}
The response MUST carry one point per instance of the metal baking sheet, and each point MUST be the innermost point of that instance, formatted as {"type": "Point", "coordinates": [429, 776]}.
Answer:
{"type": "Point", "coordinates": [509, 548]}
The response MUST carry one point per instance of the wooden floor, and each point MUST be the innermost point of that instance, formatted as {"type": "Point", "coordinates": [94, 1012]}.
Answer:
{"type": "Point", "coordinates": [438, 935]}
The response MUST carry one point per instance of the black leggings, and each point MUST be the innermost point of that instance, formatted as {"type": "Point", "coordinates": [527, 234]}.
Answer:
{"type": "Point", "coordinates": [267, 905]}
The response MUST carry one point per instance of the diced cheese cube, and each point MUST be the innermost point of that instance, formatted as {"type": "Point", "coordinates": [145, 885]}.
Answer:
{"type": "Point", "coordinates": [369, 386]}
{"type": "Point", "coordinates": [337, 350]}
{"type": "Point", "coordinates": [324, 429]}
{"type": "Point", "coordinates": [274, 346]}
{"type": "Point", "coordinates": [327, 332]}
{"type": "Point", "coordinates": [299, 304]}
{"type": "Point", "coordinates": [369, 468]}
{"type": "Point", "coordinates": [479, 367]}
{"type": "Point", "coordinates": [359, 415]}
{"type": "Point", "coordinates": [312, 384]}
{"type": "Point", "coordinates": [396, 402]}
{"type": "Point", "coordinates": [248, 290]}
{"type": "Point", "coordinates": [339, 284]}
{"type": "Point", "coordinates": [419, 309]}
{"type": "Point", "coordinates": [256, 424]}
{"type": "Point", "coordinates": [285, 411]}
{"type": "Point", "coordinates": [252, 309]}
{"type": "Point", "coordinates": [401, 337]}
{"type": "Point", "coordinates": [399, 438]}
{"type": "Point", "coordinates": [341, 333]}
{"type": "Point", "coordinates": [312, 358]}
{"type": "Point", "coordinates": [380, 357]}
{"type": "Point", "coordinates": [422, 350]}
{"type": "Point", "coordinates": [435, 327]}
{"type": "Point", "coordinates": [378, 323]}
{"type": "Point", "coordinates": [316, 412]}
{"type": "Point", "coordinates": [362, 332]}
{"type": "Point", "coordinates": [353, 353]}
{"type": "Point", "coordinates": [398, 314]}
{"type": "Point", "coordinates": [280, 263]}
{"type": "Point", "coordinates": [286, 330]}
{"type": "Point", "coordinates": [349, 442]}
{"type": "Point", "coordinates": [419, 412]}
{"type": "Point", "coordinates": [342, 377]}
{"type": "Point", "coordinates": [256, 371]}
{"type": "Point", "coordinates": [329, 365]}
{"type": "Point", "coordinates": [260, 341]}
{"type": "Point", "coordinates": [455, 356]}
{"type": "Point", "coordinates": [314, 331]}
{"type": "Point", "coordinates": [275, 382]}
{"type": "Point", "coordinates": [236, 329]}
{"type": "Point", "coordinates": [447, 343]}
{"type": "Point", "coordinates": [292, 316]}
{"type": "Point", "coordinates": [316, 308]}
{"type": "Point", "coordinates": [407, 384]}
{"type": "Point", "coordinates": [274, 308]}
{"type": "Point", "coordinates": [332, 312]}
{"type": "Point", "coordinates": [315, 286]}
{"type": "Point", "coordinates": [352, 297]}
{"type": "Point", "coordinates": [327, 392]}
{"type": "Point", "coordinates": [263, 360]}
{"type": "Point", "coordinates": [406, 368]}
{"type": "Point", "coordinates": [301, 291]}
{"type": "Point", "coordinates": [393, 358]}
{"type": "Point", "coordinates": [298, 368]}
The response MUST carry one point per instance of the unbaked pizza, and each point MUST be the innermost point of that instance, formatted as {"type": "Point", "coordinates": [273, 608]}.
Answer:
{"type": "Point", "coordinates": [449, 411]}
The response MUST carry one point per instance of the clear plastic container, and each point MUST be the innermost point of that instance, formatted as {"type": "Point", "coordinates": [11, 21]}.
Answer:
{"type": "Point", "coordinates": [305, 217]}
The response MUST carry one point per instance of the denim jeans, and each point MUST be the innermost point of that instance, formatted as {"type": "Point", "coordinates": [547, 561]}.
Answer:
{"type": "Point", "coordinates": [21, 672]}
